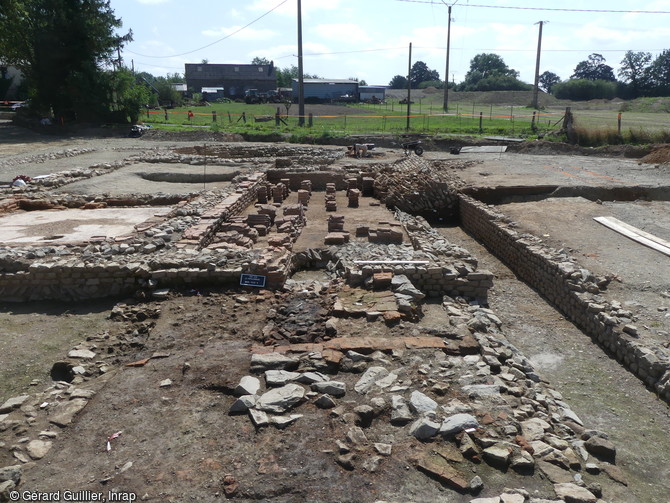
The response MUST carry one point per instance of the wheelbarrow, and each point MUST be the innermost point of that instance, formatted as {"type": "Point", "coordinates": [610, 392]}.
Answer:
{"type": "Point", "coordinates": [410, 146]}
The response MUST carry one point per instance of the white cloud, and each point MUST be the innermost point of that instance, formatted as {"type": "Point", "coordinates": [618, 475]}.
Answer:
{"type": "Point", "coordinates": [342, 32]}
{"type": "Point", "coordinates": [245, 34]}
{"type": "Point", "coordinates": [152, 2]}
{"type": "Point", "coordinates": [290, 8]}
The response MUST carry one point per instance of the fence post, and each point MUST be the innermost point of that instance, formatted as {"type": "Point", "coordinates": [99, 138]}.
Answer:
{"type": "Point", "coordinates": [619, 124]}
{"type": "Point", "coordinates": [567, 125]}
{"type": "Point", "coordinates": [244, 117]}
{"type": "Point", "coordinates": [310, 123]}
{"type": "Point", "coordinates": [166, 115]}
{"type": "Point", "coordinates": [345, 122]}
{"type": "Point", "coordinates": [213, 115]}
{"type": "Point", "coordinates": [533, 127]}
{"type": "Point", "coordinates": [148, 114]}
{"type": "Point", "coordinates": [481, 116]}
{"type": "Point", "coordinates": [277, 117]}
{"type": "Point", "coordinates": [230, 119]}
{"type": "Point", "coordinates": [491, 112]}
{"type": "Point", "coordinates": [384, 123]}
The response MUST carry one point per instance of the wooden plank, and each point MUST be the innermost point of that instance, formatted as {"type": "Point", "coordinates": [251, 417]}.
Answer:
{"type": "Point", "coordinates": [374, 262]}
{"type": "Point", "coordinates": [484, 149]}
{"type": "Point", "coordinates": [642, 233]}
{"type": "Point", "coordinates": [635, 234]}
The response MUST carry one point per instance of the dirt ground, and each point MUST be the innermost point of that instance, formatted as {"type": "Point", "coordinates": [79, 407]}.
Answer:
{"type": "Point", "coordinates": [178, 442]}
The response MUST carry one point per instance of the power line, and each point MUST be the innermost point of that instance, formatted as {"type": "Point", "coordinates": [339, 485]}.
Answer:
{"type": "Point", "coordinates": [216, 41]}
{"type": "Point", "coordinates": [610, 11]}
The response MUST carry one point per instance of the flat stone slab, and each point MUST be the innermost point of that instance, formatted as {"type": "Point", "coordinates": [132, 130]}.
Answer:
{"type": "Point", "coordinates": [73, 225]}
{"type": "Point", "coordinates": [13, 403]}
{"type": "Point", "coordinates": [85, 354]}
{"type": "Point", "coordinates": [65, 412]}
{"type": "Point", "coordinates": [279, 400]}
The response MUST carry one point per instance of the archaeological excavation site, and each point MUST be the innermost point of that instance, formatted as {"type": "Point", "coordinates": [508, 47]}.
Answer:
{"type": "Point", "coordinates": [199, 318]}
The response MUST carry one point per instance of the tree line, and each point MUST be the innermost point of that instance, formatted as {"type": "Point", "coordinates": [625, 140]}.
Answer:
{"type": "Point", "coordinates": [639, 75]}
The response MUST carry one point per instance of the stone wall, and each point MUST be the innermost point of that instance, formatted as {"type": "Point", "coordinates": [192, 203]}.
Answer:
{"type": "Point", "coordinates": [573, 290]}
{"type": "Point", "coordinates": [96, 271]}
{"type": "Point", "coordinates": [319, 179]}
{"type": "Point", "coordinates": [211, 220]}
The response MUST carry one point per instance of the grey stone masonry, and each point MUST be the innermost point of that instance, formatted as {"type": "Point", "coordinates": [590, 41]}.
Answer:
{"type": "Point", "coordinates": [570, 288]}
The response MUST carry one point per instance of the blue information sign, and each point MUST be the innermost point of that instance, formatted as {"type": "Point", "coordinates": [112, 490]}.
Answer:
{"type": "Point", "coordinates": [252, 280]}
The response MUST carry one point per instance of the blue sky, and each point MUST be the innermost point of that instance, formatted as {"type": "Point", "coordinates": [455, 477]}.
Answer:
{"type": "Point", "coordinates": [369, 39]}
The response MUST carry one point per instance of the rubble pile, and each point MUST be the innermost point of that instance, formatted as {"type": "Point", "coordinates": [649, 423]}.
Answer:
{"type": "Point", "coordinates": [40, 158]}
{"type": "Point", "coordinates": [417, 186]}
{"type": "Point", "coordinates": [463, 393]}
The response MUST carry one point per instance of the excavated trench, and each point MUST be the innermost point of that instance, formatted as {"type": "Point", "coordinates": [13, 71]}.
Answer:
{"type": "Point", "coordinates": [202, 177]}
{"type": "Point", "coordinates": [516, 194]}
{"type": "Point", "coordinates": [600, 389]}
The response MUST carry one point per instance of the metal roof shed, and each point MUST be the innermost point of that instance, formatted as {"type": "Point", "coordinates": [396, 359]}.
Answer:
{"type": "Point", "coordinates": [327, 89]}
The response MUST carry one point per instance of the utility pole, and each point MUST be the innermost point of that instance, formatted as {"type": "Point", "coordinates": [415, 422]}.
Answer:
{"type": "Point", "coordinates": [537, 65]}
{"type": "Point", "coordinates": [409, 84]}
{"type": "Point", "coordinates": [301, 88]}
{"type": "Point", "coordinates": [445, 105]}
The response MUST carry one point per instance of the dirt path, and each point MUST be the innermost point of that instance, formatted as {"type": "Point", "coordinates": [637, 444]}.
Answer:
{"type": "Point", "coordinates": [600, 391]}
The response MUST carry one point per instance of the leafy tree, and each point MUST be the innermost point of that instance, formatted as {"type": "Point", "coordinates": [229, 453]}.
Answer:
{"type": "Point", "coordinates": [421, 73]}
{"type": "Point", "coordinates": [489, 72]}
{"type": "Point", "coordinates": [398, 82]}
{"type": "Point", "coordinates": [285, 76]}
{"type": "Point", "coordinates": [594, 68]}
{"type": "Point", "coordinates": [5, 82]}
{"type": "Point", "coordinates": [167, 93]}
{"type": "Point", "coordinates": [548, 80]}
{"type": "Point", "coordinates": [361, 82]}
{"type": "Point", "coordinates": [260, 61]}
{"type": "Point", "coordinates": [584, 89]}
{"type": "Point", "coordinates": [131, 97]}
{"type": "Point", "coordinates": [438, 84]}
{"type": "Point", "coordinates": [636, 70]}
{"type": "Point", "coordinates": [61, 47]}
{"type": "Point", "coordinates": [660, 72]}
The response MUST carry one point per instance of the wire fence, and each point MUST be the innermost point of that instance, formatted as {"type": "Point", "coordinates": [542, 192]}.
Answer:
{"type": "Point", "coordinates": [362, 122]}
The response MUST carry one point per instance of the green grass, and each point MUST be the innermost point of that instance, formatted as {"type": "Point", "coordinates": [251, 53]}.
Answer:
{"type": "Point", "coordinates": [355, 119]}
{"type": "Point", "coordinates": [642, 119]}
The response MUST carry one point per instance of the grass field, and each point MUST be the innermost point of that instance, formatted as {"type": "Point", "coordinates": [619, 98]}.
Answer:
{"type": "Point", "coordinates": [496, 113]}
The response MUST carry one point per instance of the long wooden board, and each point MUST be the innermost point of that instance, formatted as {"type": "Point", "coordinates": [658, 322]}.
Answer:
{"type": "Point", "coordinates": [635, 234]}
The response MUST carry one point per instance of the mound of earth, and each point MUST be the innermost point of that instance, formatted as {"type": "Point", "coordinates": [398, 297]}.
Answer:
{"type": "Point", "coordinates": [660, 154]}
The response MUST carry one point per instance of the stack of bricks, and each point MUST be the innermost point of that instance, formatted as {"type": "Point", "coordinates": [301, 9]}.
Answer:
{"type": "Point", "coordinates": [331, 201]}
{"type": "Point", "coordinates": [336, 223]}
{"type": "Point", "coordinates": [353, 195]}
{"type": "Point", "coordinates": [352, 183]}
{"type": "Point", "coordinates": [303, 197]}
{"type": "Point", "coordinates": [269, 210]}
{"type": "Point", "coordinates": [336, 234]}
{"type": "Point", "coordinates": [294, 209]}
{"type": "Point", "coordinates": [368, 186]}
{"type": "Point", "coordinates": [305, 192]}
{"type": "Point", "coordinates": [387, 233]}
{"type": "Point", "coordinates": [261, 222]}
{"type": "Point", "coordinates": [262, 194]}
{"type": "Point", "coordinates": [287, 190]}
{"type": "Point", "coordinates": [278, 193]}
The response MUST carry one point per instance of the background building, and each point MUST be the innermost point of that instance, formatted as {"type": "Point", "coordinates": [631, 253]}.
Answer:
{"type": "Point", "coordinates": [234, 79]}
{"type": "Point", "coordinates": [328, 90]}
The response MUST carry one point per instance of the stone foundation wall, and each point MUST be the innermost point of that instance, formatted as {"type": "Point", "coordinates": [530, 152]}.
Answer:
{"type": "Point", "coordinates": [84, 275]}
{"type": "Point", "coordinates": [319, 179]}
{"type": "Point", "coordinates": [569, 288]}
